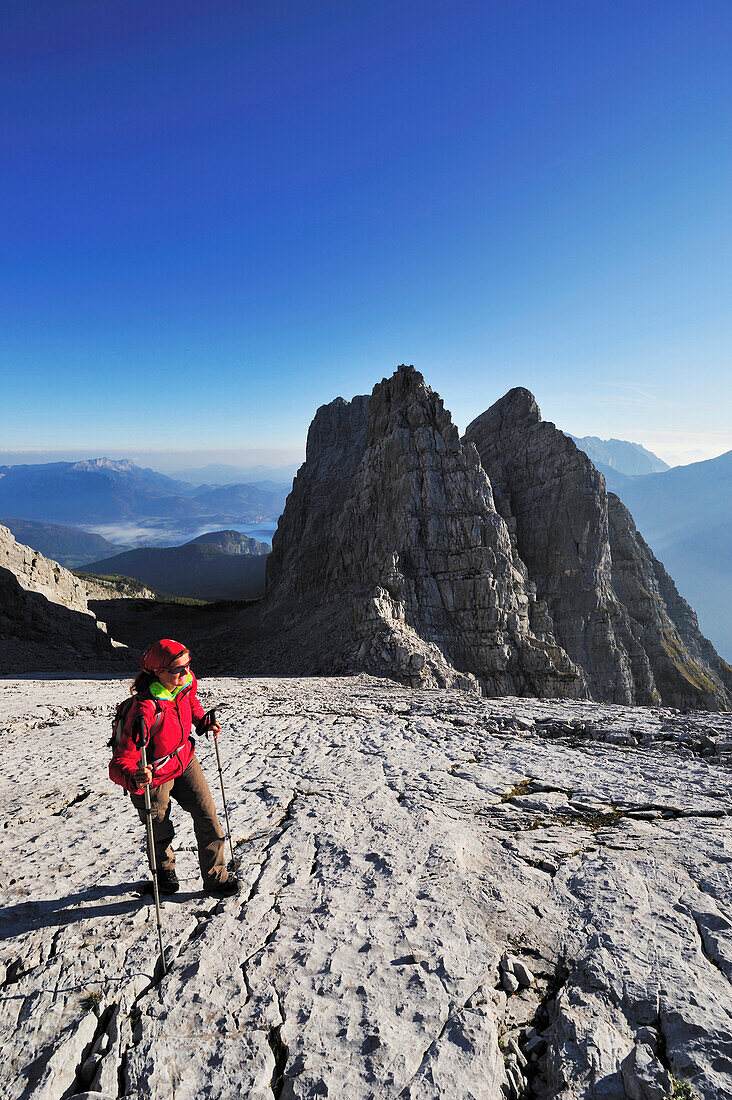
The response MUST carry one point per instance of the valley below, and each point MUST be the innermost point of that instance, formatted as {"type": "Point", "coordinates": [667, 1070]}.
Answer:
{"type": "Point", "coordinates": [146, 533]}
{"type": "Point", "coordinates": [444, 895]}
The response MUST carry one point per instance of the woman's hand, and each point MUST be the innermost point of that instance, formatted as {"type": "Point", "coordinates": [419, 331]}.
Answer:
{"type": "Point", "coordinates": [143, 776]}
{"type": "Point", "coordinates": [215, 729]}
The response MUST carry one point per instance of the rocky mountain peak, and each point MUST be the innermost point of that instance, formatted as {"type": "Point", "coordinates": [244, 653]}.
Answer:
{"type": "Point", "coordinates": [391, 527]}
{"type": "Point", "coordinates": [517, 406]}
{"type": "Point", "coordinates": [335, 426]}
{"type": "Point", "coordinates": [405, 402]}
{"type": "Point", "coordinates": [90, 465]}
{"type": "Point", "coordinates": [495, 563]}
{"type": "Point", "coordinates": [301, 545]}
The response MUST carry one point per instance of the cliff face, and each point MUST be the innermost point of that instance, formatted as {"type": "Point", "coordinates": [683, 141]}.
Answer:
{"type": "Point", "coordinates": [302, 543]}
{"type": "Point", "coordinates": [392, 521]}
{"type": "Point", "coordinates": [44, 612]}
{"type": "Point", "coordinates": [687, 669]}
{"type": "Point", "coordinates": [614, 608]}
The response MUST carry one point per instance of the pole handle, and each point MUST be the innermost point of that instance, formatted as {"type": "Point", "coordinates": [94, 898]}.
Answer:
{"type": "Point", "coordinates": [140, 731]}
{"type": "Point", "coordinates": [208, 720]}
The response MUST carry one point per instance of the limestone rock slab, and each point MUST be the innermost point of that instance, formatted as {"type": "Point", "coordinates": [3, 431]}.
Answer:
{"type": "Point", "coordinates": [392, 858]}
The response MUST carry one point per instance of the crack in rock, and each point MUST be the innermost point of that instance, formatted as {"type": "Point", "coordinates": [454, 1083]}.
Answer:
{"type": "Point", "coordinates": [91, 1057]}
{"type": "Point", "coordinates": [453, 1015]}
{"type": "Point", "coordinates": [279, 829]}
{"type": "Point", "coordinates": [280, 1051]}
{"type": "Point", "coordinates": [708, 947]}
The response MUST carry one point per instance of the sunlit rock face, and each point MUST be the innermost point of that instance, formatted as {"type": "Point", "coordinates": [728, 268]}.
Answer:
{"type": "Point", "coordinates": [615, 609]}
{"type": "Point", "coordinates": [44, 613]}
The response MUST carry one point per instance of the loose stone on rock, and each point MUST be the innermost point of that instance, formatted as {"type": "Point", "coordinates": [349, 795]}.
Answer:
{"type": "Point", "coordinates": [523, 974]}
{"type": "Point", "coordinates": [510, 983]}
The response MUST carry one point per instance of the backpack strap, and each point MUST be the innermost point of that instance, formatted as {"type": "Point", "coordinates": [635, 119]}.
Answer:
{"type": "Point", "coordinates": [120, 720]}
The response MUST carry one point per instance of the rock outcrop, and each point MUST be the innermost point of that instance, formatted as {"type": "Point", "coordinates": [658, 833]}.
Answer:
{"type": "Point", "coordinates": [391, 523]}
{"type": "Point", "coordinates": [497, 563]}
{"type": "Point", "coordinates": [231, 542]}
{"type": "Point", "coordinates": [614, 608]}
{"type": "Point", "coordinates": [44, 612]}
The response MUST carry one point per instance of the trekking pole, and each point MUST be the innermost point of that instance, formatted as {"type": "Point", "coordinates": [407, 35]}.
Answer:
{"type": "Point", "coordinates": [210, 718]}
{"type": "Point", "coordinates": [150, 839]}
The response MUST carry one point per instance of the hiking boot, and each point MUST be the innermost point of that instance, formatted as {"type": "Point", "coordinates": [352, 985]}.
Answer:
{"type": "Point", "coordinates": [167, 881]}
{"type": "Point", "coordinates": [226, 889]}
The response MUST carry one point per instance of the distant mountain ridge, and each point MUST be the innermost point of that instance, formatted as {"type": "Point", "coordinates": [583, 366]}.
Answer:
{"type": "Point", "coordinates": [97, 491]}
{"type": "Point", "coordinates": [231, 542]}
{"type": "Point", "coordinates": [219, 473]}
{"type": "Point", "coordinates": [220, 565]}
{"type": "Point", "coordinates": [619, 454]}
{"type": "Point", "coordinates": [117, 464]}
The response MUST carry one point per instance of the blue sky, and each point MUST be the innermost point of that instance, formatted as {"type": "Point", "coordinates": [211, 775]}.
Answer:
{"type": "Point", "coordinates": [219, 216]}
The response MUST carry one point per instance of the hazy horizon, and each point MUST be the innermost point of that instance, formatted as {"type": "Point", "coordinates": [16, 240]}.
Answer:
{"type": "Point", "coordinates": [173, 460]}
{"type": "Point", "coordinates": [163, 461]}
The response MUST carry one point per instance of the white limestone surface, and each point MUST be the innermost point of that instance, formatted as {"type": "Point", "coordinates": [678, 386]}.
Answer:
{"type": "Point", "coordinates": [404, 853]}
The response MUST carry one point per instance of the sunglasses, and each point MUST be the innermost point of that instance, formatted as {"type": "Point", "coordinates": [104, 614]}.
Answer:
{"type": "Point", "coordinates": [178, 670]}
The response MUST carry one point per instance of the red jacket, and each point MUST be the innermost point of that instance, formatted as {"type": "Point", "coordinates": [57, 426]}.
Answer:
{"type": "Point", "coordinates": [171, 720]}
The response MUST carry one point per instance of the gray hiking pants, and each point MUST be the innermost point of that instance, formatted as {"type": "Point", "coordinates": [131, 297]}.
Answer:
{"type": "Point", "coordinates": [190, 790]}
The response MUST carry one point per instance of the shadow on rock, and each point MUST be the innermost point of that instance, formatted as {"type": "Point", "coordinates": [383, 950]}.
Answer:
{"type": "Point", "coordinates": [59, 912]}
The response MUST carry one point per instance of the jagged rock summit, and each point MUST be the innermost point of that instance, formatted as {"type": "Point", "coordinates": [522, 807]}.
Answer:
{"type": "Point", "coordinates": [615, 609]}
{"type": "Point", "coordinates": [485, 564]}
{"type": "Point", "coordinates": [392, 522]}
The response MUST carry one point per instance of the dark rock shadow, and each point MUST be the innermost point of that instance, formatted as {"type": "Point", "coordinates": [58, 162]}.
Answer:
{"type": "Point", "coordinates": [37, 631]}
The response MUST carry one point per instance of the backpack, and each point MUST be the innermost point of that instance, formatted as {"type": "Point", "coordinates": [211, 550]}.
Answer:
{"type": "Point", "coordinates": [121, 713]}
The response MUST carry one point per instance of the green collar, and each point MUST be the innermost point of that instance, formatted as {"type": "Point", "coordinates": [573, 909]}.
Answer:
{"type": "Point", "coordinates": [159, 692]}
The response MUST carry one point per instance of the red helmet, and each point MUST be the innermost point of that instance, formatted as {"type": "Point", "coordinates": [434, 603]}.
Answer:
{"type": "Point", "coordinates": [161, 655]}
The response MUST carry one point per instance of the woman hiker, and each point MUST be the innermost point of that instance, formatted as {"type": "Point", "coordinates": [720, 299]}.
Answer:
{"type": "Point", "coordinates": [164, 693]}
